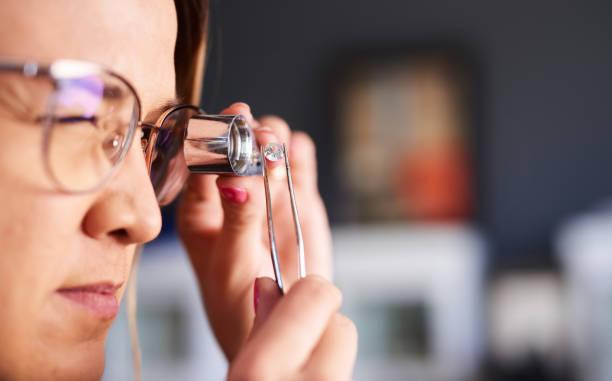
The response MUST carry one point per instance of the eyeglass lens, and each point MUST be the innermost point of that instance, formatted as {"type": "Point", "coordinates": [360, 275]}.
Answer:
{"type": "Point", "coordinates": [168, 168]}
{"type": "Point", "coordinates": [89, 126]}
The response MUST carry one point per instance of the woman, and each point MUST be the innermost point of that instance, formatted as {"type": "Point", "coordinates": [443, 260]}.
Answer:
{"type": "Point", "coordinates": [78, 201]}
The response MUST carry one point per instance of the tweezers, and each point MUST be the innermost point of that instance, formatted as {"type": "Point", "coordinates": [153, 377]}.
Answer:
{"type": "Point", "coordinates": [275, 152]}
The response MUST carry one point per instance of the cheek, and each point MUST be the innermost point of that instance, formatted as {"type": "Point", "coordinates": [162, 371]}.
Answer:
{"type": "Point", "coordinates": [21, 157]}
{"type": "Point", "coordinates": [28, 217]}
{"type": "Point", "coordinates": [38, 239]}
{"type": "Point", "coordinates": [36, 219]}
{"type": "Point", "coordinates": [34, 257]}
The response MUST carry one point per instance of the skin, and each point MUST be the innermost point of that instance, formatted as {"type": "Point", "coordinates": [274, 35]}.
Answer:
{"type": "Point", "coordinates": [52, 240]}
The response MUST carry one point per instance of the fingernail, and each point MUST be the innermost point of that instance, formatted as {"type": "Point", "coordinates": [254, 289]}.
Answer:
{"type": "Point", "coordinates": [255, 296]}
{"type": "Point", "coordinates": [241, 104]}
{"type": "Point", "coordinates": [264, 129]}
{"type": "Point", "coordinates": [235, 195]}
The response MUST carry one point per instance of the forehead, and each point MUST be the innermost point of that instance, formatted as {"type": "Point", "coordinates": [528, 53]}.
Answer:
{"type": "Point", "coordinates": [135, 38]}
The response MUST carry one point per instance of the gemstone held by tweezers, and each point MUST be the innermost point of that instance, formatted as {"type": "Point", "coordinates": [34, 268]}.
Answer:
{"type": "Point", "coordinates": [274, 152]}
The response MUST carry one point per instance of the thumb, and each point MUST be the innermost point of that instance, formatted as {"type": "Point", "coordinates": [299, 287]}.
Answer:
{"type": "Point", "coordinates": [266, 295]}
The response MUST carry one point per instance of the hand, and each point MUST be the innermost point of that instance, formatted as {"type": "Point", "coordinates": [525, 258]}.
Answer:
{"type": "Point", "coordinates": [299, 336]}
{"type": "Point", "coordinates": [222, 223]}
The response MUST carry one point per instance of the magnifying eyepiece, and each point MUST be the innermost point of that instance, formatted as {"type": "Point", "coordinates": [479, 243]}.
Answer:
{"type": "Point", "coordinates": [221, 144]}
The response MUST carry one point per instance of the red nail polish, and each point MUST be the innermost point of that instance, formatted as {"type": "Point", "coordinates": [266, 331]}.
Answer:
{"type": "Point", "coordinates": [255, 296]}
{"type": "Point", "coordinates": [233, 194]}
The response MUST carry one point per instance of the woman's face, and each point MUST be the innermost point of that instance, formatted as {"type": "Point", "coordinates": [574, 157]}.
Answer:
{"type": "Point", "coordinates": [62, 255]}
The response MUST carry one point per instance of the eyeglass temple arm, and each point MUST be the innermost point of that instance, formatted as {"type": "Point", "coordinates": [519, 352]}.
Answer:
{"type": "Point", "coordinates": [28, 68]}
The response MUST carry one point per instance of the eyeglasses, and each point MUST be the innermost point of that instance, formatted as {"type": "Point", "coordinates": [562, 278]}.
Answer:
{"type": "Point", "coordinates": [90, 116]}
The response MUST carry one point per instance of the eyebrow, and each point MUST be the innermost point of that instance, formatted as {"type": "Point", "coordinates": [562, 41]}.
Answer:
{"type": "Point", "coordinates": [157, 111]}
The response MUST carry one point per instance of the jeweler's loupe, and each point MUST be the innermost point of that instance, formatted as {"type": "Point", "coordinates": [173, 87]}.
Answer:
{"type": "Point", "coordinates": [225, 144]}
{"type": "Point", "coordinates": [221, 144]}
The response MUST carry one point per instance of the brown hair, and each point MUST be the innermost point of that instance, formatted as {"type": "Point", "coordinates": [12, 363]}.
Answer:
{"type": "Point", "coordinates": [190, 47]}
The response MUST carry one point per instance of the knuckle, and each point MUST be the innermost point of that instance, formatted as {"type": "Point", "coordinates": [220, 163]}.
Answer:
{"type": "Point", "coordinates": [250, 370]}
{"type": "Point", "coordinates": [347, 326]}
{"type": "Point", "coordinates": [322, 289]}
{"type": "Point", "coordinates": [319, 376]}
{"type": "Point", "coordinates": [238, 218]}
{"type": "Point", "coordinates": [236, 374]}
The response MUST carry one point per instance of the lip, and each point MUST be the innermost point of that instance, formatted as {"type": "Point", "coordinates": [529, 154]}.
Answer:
{"type": "Point", "coordinates": [98, 299]}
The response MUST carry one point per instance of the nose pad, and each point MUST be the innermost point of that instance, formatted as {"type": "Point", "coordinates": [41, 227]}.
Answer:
{"type": "Point", "coordinates": [221, 144]}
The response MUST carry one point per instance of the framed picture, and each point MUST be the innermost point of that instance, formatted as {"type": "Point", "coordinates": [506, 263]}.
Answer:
{"type": "Point", "coordinates": [404, 133]}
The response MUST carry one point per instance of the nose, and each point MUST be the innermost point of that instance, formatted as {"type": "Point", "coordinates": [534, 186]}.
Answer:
{"type": "Point", "coordinates": [126, 209]}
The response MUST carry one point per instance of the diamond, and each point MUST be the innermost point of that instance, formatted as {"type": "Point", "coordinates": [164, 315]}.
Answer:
{"type": "Point", "coordinates": [274, 152]}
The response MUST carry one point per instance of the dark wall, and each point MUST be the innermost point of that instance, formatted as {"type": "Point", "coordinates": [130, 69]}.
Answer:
{"type": "Point", "coordinates": [545, 140]}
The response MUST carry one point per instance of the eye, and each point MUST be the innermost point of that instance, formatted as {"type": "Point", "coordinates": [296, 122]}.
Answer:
{"type": "Point", "coordinates": [73, 119]}
{"type": "Point", "coordinates": [112, 145]}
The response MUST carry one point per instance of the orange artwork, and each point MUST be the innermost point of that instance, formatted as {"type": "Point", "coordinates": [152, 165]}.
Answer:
{"type": "Point", "coordinates": [405, 142]}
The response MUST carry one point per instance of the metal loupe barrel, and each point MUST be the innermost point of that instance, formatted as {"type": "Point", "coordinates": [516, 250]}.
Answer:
{"type": "Point", "coordinates": [221, 144]}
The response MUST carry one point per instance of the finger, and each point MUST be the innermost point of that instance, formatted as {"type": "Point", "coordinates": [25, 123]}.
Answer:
{"type": "Point", "coordinates": [314, 221]}
{"type": "Point", "coordinates": [317, 236]}
{"type": "Point", "coordinates": [243, 204]}
{"type": "Point", "coordinates": [199, 219]}
{"type": "Point", "coordinates": [200, 198]}
{"type": "Point", "coordinates": [313, 217]}
{"type": "Point", "coordinates": [283, 342]}
{"type": "Point", "coordinates": [279, 127]}
{"type": "Point", "coordinates": [236, 260]}
{"type": "Point", "coordinates": [265, 298]}
{"type": "Point", "coordinates": [303, 161]}
{"type": "Point", "coordinates": [334, 356]}
{"type": "Point", "coordinates": [240, 108]}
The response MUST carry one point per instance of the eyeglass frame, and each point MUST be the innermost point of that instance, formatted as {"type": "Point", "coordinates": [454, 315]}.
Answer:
{"type": "Point", "coordinates": [31, 69]}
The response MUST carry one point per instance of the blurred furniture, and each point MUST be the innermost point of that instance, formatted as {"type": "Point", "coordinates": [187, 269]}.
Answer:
{"type": "Point", "coordinates": [585, 251]}
{"type": "Point", "coordinates": [527, 328]}
{"type": "Point", "coordinates": [415, 294]}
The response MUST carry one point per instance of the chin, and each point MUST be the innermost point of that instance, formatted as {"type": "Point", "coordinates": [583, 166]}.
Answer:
{"type": "Point", "coordinates": [84, 363]}
{"type": "Point", "coordinates": [79, 363]}
{"type": "Point", "coordinates": [71, 343]}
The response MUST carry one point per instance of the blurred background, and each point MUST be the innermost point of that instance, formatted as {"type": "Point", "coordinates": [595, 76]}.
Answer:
{"type": "Point", "coordinates": [464, 152]}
